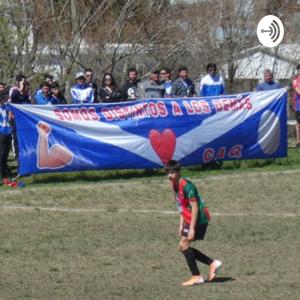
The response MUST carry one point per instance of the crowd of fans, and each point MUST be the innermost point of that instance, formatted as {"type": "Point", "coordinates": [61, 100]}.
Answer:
{"type": "Point", "coordinates": [159, 85]}
{"type": "Point", "coordinates": [85, 90]}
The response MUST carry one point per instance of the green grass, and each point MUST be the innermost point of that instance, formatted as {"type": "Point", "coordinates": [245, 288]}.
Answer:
{"type": "Point", "coordinates": [291, 162]}
{"type": "Point", "coordinates": [110, 253]}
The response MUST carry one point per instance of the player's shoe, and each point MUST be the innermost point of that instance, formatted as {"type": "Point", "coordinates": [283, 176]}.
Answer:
{"type": "Point", "coordinates": [213, 268]}
{"type": "Point", "coordinates": [195, 280]}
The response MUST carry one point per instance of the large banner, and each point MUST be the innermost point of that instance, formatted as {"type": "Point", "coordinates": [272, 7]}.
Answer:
{"type": "Point", "coordinates": [148, 133]}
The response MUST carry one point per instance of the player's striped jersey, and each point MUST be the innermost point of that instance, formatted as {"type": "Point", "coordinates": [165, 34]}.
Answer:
{"type": "Point", "coordinates": [185, 193]}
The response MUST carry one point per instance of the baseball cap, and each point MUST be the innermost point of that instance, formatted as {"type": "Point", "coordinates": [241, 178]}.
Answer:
{"type": "Point", "coordinates": [80, 75]}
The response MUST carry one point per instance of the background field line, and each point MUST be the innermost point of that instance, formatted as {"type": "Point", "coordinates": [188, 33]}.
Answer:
{"type": "Point", "coordinates": [126, 210]}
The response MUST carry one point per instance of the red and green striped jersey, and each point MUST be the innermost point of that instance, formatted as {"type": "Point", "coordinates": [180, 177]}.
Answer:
{"type": "Point", "coordinates": [185, 193]}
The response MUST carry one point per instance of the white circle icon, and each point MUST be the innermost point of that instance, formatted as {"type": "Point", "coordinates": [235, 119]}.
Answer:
{"type": "Point", "coordinates": [270, 31]}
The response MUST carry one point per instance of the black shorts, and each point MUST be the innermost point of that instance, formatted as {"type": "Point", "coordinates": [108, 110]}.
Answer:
{"type": "Point", "coordinates": [297, 115]}
{"type": "Point", "coordinates": [200, 231]}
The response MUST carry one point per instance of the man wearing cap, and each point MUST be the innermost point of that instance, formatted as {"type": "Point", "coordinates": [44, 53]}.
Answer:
{"type": "Point", "coordinates": [81, 92]}
{"type": "Point", "coordinates": [151, 88]}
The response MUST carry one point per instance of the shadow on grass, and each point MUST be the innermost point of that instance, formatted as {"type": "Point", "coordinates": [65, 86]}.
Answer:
{"type": "Point", "coordinates": [94, 176]}
{"type": "Point", "coordinates": [222, 279]}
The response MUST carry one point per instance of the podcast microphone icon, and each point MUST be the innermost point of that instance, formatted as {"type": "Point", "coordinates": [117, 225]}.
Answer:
{"type": "Point", "coordinates": [275, 31]}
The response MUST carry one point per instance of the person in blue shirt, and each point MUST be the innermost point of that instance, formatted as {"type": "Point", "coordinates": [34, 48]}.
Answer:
{"type": "Point", "coordinates": [269, 83]}
{"type": "Point", "coordinates": [81, 92]}
{"type": "Point", "coordinates": [5, 135]}
{"type": "Point", "coordinates": [48, 78]}
{"type": "Point", "coordinates": [211, 84]}
{"type": "Point", "coordinates": [45, 96]}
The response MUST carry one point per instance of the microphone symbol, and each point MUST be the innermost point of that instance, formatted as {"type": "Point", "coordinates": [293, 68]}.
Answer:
{"type": "Point", "coordinates": [270, 31]}
{"type": "Point", "coordinates": [274, 31]}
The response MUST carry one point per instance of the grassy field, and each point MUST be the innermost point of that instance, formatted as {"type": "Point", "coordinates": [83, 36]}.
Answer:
{"type": "Point", "coordinates": [116, 239]}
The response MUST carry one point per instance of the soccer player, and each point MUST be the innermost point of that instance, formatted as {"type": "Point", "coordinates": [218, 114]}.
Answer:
{"type": "Point", "coordinates": [194, 218]}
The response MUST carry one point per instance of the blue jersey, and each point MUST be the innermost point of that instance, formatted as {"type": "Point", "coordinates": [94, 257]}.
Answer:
{"type": "Point", "coordinates": [211, 86]}
{"type": "Point", "coordinates": [82, 93]}
{"type": "Point", "coordinates": [41, 99]}
{"type": "Point", "coordinates": [5, 127]}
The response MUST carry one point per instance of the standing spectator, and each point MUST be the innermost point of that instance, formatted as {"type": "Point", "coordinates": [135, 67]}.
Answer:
{"type": "Point", "coordinates": [57, 95]}
{"type": "Point", "coordinates": [269, 83]}
{"type": "Point", "coordinates": [21, 94]}
{"type": "Point", "coordinates": [81, 92]}
{"type": "Point", "coordinates": [5, 135]}
{"type": "Point", "coordinates": [20, 77]}
{"type": "Point", "coordinates": [44, 97]}
{"type": "Point", "coordinates": [108, 91]}
{"type": "Point", "coordinates": [47, 78]}
{"type": "Point", "coordinates": [151, 88]}
{"type": "Point", "coordinates": [296, 87]}
{"type": "Point", "coordinates": [211, 84]}
{"type": "Point", "coordinates": [2, 86]}
{"type": "Point", "coordinates": [183, 86]}
{"type": "Point", "coordinates": [129, 89]}
{"type": "Point", "coordinates": [165, 77]}
{"type": "Point", "coordinates": [89, 80]}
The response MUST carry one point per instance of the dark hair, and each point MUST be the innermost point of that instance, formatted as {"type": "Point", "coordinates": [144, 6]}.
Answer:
{"type": "Point", "coordinates": [211, 65]}
{"type": "Point", "coordinates": [298, 67]}
{"type": "Point", "coordinates": [47, 75]}
{"type": "Point", "coordinates": [20, 77]}
{"type": "Point", "coordinates": [113, 82]}
{"type": "Point", "coordinates": [172, 165]}
{"type": "Point", "coordinates": [54, 85]}
{"type": "Point", "coordinates": [156, 72]}
{"type": "Point", "coordinates": [131, 70]}
{"type": "Point", "coordinates": [2, 83]}
{"type": "Point", "coordinates": [4, 94]}
{"type": "Point", "coordinates": [88, 70]}
{"type": "Point", "coordinates": [166, 69]}
{"type": "Point", "coordinates": [183, 68]}
{"type": "Point", "coordinates": [45, 83]}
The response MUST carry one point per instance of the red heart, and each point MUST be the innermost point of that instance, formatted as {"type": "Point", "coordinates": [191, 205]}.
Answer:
{"type": "Point", "coordinates": [163, 144]}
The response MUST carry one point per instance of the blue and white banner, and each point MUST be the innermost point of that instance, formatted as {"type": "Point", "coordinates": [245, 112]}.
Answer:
{"type": "Point", "coordinates": [148, 133]}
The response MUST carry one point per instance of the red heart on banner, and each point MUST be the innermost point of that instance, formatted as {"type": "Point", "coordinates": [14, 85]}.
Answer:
{"type": "Point", "coordinates": [163, 144]}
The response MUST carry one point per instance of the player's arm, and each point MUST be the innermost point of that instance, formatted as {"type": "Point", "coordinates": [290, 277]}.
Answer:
{"type": "Point", "coordinates": [195, 209]}
{"type": "Point", "coordinates": [297, 90]}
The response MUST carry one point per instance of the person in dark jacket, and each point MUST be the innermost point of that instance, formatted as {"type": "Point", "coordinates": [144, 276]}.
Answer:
{"type": "Point", "coordinates": [183, 86]}
{"type": "Point", "coordinates": [108, 91]}
{"type": "Point", "coordinates": [57, 95]}
{"type": "Point", "coordinates": [129, 89]}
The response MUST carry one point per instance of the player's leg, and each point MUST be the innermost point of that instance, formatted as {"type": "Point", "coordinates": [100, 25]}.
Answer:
{"type": "Point", "coordinates": [214, 265]}
{"type": "Point", "coordinates": [186, 250]}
